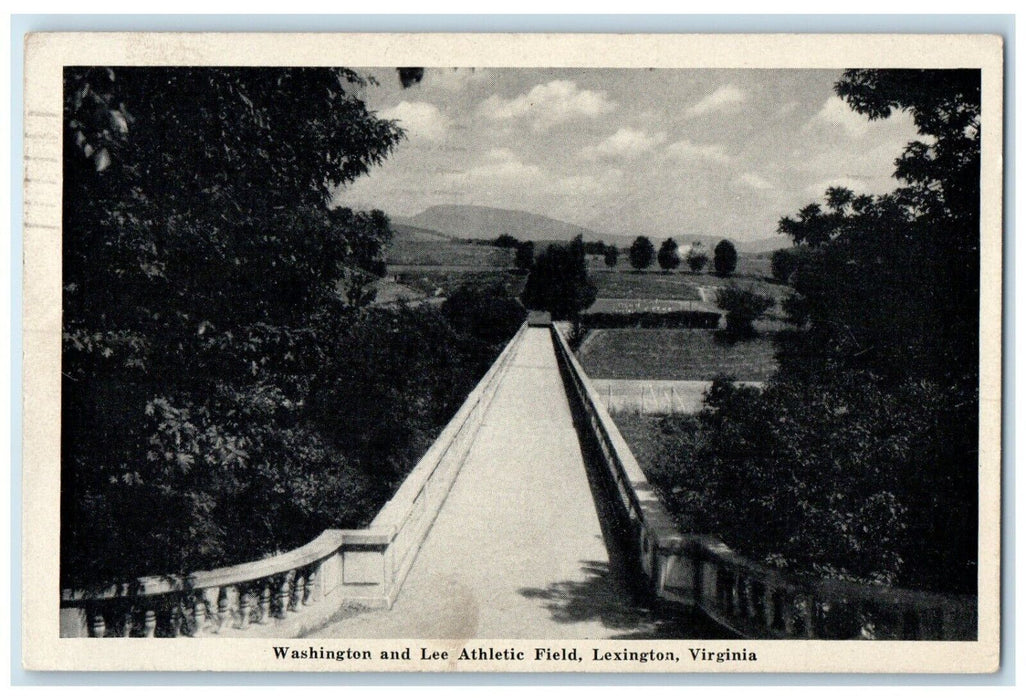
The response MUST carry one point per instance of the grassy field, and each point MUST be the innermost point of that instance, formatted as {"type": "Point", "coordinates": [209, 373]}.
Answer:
{"type": "Point", "coordinates": [420, 252]}
{"type": "Point", "coordinates": [645, 285]}
{"type": "Point", "coordinates": [674, 354]}
{"type": "Point", "coordinates": [441, 280]}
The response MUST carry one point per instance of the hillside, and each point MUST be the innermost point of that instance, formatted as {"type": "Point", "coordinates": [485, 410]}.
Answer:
{"type": "Point", "coordinates": [465, 221]}
{"type": "Point", "coordinates": [460, 221]}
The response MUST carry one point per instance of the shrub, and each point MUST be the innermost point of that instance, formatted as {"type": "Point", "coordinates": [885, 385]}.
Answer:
{"type": "Point", "coordinates": [525, 255]}
{"type": "Point", "coordinates": [612, 256]}
{"type": "Point", "coordinates": [743, 307]}
{"type": "Point", "coordinates": [724, 258]}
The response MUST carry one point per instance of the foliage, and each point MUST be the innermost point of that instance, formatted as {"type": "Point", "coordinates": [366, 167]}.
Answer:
{"type": "Point", "coordinates": [743, 306]}
{"type": "Point", "coordinates": [832, 474]}
{"type": "Point", "coordinates": [783, 263]}
{"type": "Point", "coordinates": [206, 286]}
{"type": "Point", "coordinates": [697, 260]}
{"type": "Point", "coordinates": [641, 253]}
{"type": "Point", "coordinates": [612, 256]}
{"type": "Point", "coordinates": [669, 258]}
{"type": "Point", "coordinates": [525, 255]}
{"type": "Point", "coordinates": [485, 311]}
{"type": "Point", "coordinates": [724, 258]}
{"type": "Point", "coordinates": [394, 377]}
{"type": "Point", "coordinates": [505, 241]}
{"type": "Point", "coordinates": [861, 457]}
{"type": "Point", "coordinates": [559, 281]}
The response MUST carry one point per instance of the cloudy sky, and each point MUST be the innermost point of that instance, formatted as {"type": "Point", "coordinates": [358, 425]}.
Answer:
{"type": "Point", "coordinates": [654, 152]}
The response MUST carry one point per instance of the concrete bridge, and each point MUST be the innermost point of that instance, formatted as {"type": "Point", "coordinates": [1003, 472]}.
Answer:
{"type": "Point", "coordinates": [528, 518]}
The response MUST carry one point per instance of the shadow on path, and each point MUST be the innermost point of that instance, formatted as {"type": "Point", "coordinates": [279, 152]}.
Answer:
{"type": "Point", "coordinates": [605, 597]}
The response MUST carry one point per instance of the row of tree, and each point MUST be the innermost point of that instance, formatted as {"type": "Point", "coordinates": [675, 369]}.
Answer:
{"type": "Point", "coordinates": [642, 253]}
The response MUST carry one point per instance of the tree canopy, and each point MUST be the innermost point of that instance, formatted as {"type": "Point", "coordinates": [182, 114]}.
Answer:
{"type": "Point", "coordinates": [641, 253]}
{"type": "Point", "coordinates": [205, 285]}
{"type": "Point", "coordinates": [724, 258]}
{"type": "Point", "coordinates": [559, 281]}
{"type": "Point", "coordinates": [669, 258]}
{"type": "Point", "coordinates": [860, 459]}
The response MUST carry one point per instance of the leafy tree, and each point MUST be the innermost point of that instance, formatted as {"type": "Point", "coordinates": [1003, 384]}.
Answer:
{"type": "Point", "coordinates": [697, 259]}
{"type": "Point", "coordinates": [724, 258]}
{"type": "Point", "coordinates": [669, 258]}
{"type": "Point", "coordinates": [860, 457]}
{"type": "Point", "coordinates": [506, 241]}
{"type": "Point", "coordinates": [486, 311]}
{"type": "Point", "coordinates": [783, 263]}
{"type": "Point", "coordinates": [612, 256]}
{"type": "Point", "coordinates": [525, 255]}
{"type": "Point", "coordinates": [559, 281]}
{"type": "Point", "coordinates": [641, 253]}
{"type": "Point", "coordinates": [201, 270]}
{"type": "Point", "coordinates": [743, 307]}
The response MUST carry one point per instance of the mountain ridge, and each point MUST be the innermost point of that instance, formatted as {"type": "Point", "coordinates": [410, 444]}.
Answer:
{"type": "Point", "coordinates": [469, 221]}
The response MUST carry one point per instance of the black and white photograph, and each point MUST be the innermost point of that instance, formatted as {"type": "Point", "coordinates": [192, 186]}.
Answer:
{"type": "Point", "coordinates": [401, 364]}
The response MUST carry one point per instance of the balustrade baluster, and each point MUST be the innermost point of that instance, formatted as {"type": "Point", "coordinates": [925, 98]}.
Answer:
{"type": "Point", "coordinates": [223, 612]}
{"type": "Point", "coordinates": [310, 590]}
{"type": "Point", "coordinates": [126, 623]}
{"type": "Point", "coordinates": [199, 614]}
{"type": "Point", "coordinates": [245, 608]}
{"type": "Point", "coordinates": [265, 604]}
{"type": "Point", "coordinates": [284, 593]}
{"type": "Point", "coordinates": [296, 601]}
{"type": "Point", "coordinates": [150, 624]}
{"type": "Point", "coordinates": [808, 612]}
{"type": "Point", "coordinates": [177, 618]}
{"type": "Point", "coordinates": [98, 626]}
{"type": "Point", "coordinates": [735, 591]}
{"type": "Point", "coordinates": [769, 607]}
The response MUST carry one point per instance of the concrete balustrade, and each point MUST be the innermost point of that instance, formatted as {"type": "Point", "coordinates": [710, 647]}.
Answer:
{"type": "Point", "coordinates": [300, 589]}
{"type": "Point", "coordinates": [700, 571]}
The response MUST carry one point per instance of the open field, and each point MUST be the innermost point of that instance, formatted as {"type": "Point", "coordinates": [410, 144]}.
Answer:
{"type": "Point", "coordinates": [442, 280]}
{"type": "Point", "coordinates": [748, 265]}
{"type": "Point", "coordinates": [674, 354]}
{"type": "Point", "coordinates": [408, 252]}
{"type": "Point", "coordinates": [643, 285]}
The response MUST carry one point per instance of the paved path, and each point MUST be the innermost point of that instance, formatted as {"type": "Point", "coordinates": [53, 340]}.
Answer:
{"type": "Point", "coordinates": [518, 550]}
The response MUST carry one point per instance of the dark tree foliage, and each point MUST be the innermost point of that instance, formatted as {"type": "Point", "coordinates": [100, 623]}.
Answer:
{"type": "Point", "coordinates": [524, 259]}
{"type": "Point", "coordinates": [202, 279]}
{"type": "Point", "coordinates": [559, 281]}
{"type": "Point", "coordinates": [697, 260]}
{"type": "Point", "coordinates": [612, 256]}
{"type": "Point", "coordinates": [486, 311]}
{"type": "Point", "coordinates": [669, 258]}
{"type": "Point", "coordinates": [861, 457]}
{"type": "Point", "coordinates": [594, 248]}
{"type": "Point", "coordinates": [724, 258]}
{"type": "Point", "coordinates": [642, 253]}
{"type": "Point", "coordinates": [505, 241]}
{"type": "Point", "coordinates": [396, 376]}
{"type": "Point", "coordinates": [743, 307]}
{"type": "Point", "coordinates": [783, 263]}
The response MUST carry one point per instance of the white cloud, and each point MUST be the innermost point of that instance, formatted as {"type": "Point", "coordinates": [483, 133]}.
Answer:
{"type": "Point", "coordinates": [836, 112]}
{"type": "Point", "coordinates": [754, 180]}
{"type": "Point", "coordinates": [625, 143]}
{"type": "Point", "coordinates": [723, 99]}
{"type": "Point", "coordinates": [546, 105]}
{"type": "Point", "coordinates": [854, 184]}
{"type": "Point", "coordinates": [685, 150]}
{"type": "Point", "coordinates": [421, 120]}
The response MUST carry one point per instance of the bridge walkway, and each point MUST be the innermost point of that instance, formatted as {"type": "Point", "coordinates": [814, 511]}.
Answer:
{"type": "Point", "coordinates": [518, 550]}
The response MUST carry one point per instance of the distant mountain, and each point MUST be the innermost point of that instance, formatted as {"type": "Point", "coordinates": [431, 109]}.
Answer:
{"type": "Point", "coordinates": [405, 232]}
{"type": "Point", "coordinates": [466, 221]}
